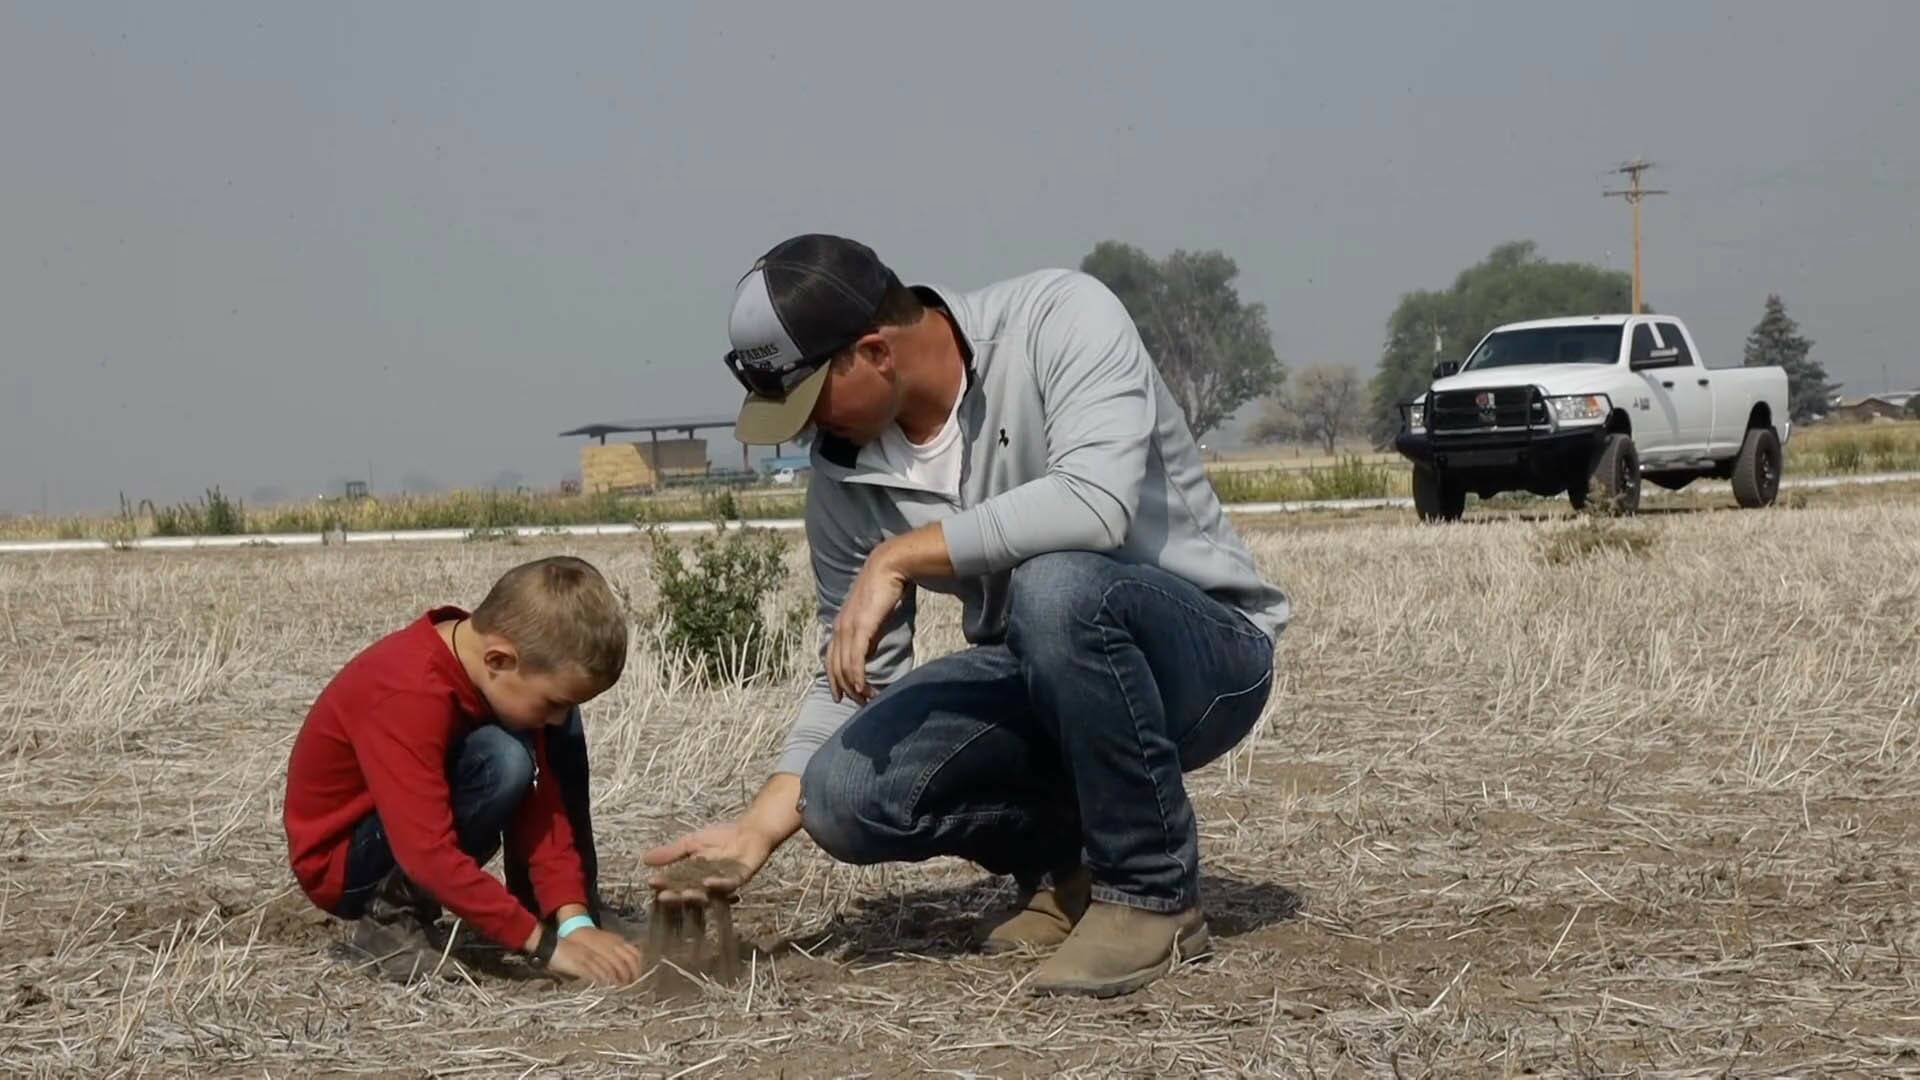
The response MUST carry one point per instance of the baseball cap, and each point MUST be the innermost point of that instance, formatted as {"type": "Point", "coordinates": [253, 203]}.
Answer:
{"type": "Point", "coordinates": [802, 302]}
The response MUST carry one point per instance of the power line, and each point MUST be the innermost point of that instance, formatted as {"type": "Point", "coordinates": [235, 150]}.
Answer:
{"type": "Point", "coordinates": [1634, 194]}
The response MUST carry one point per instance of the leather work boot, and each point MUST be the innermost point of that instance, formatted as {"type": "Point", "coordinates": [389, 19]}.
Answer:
{"type": "Point", "coordinates": [396, 937]}
{"type": "Point", "coordinates": [1117, 949]}
{"type": "Point", "coordinates": [1042, 917]}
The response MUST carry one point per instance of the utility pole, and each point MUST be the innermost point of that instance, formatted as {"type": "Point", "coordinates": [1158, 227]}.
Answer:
{"type": "Point", "coordinates": [1634, 193]}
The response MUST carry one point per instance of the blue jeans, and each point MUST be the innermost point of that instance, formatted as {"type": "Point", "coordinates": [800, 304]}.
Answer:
{"type": "Point", "coordinates": [1067, 741]}
{"type": "Point", "coordinates": [488, 774]}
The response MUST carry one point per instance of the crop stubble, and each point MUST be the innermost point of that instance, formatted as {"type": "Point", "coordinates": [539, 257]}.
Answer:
{"type": "Point", "coordinates": [1636, 807]}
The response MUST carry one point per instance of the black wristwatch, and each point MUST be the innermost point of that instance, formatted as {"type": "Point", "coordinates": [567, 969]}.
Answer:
{"type": "Point", "coordinates": [543, 952]}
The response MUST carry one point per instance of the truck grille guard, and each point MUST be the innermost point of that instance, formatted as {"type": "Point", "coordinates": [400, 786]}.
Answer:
{"type": "Point", "coordinates": [1502, 410]}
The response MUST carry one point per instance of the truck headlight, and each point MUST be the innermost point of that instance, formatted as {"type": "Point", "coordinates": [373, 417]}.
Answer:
{"type": "Point", "coordinates": [1417, 416]}
{"type": "Point", "coordinates": [1580, 409]}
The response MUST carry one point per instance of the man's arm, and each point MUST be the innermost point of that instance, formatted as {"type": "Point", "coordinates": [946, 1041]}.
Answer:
{"type": "Point", "coordinates": [839, 554]}
{"type": "Point", "coordinates": [916, 556]}
{"type": "Point", "coordinates": [1096, 384]}
{"type": "Point", "coordinates": [887, 578]}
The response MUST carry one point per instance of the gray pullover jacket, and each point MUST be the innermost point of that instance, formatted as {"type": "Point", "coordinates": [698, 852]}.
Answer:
{"type": "Point", "coordinates": [1072, 443]}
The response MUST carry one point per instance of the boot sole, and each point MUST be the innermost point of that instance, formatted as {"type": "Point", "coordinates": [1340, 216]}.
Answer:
{"type": "Point", "coordinates": [1190, 947]}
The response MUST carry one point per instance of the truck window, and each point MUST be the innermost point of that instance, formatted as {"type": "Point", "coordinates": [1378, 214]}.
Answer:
{"type": "Point", "coordinates": [1642, 345]}
{"type": "Point", "coordinates": [1670, 334]}
{"type": "Point", "coordinates": [1651, 353]}
{"type": "Point", "coordinates": [1548, 345]}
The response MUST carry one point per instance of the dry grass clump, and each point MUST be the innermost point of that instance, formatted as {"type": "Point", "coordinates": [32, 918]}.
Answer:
{"type": "Point", "coordinates": [1589, 537]}
{"type": "Point", "coordinates": [1880, 446]}
{"type": "Point", "coordinates": [481, 511]}
{"type": "Point", "coordinates": [1655, 817]}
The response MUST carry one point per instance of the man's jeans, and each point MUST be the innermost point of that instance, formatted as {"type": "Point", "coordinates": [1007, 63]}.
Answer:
{"type": "Point", "coordinates": [1067, 741]}
{"type": "Point", "coordinates": [488, 773]}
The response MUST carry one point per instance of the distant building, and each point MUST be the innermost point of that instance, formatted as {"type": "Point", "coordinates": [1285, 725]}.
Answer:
{"type": "Point", "coordinates": [637, 466]}
{"type": "Point", "coordinates": [651, 463]}
{"type": "Point", "coordinates": [1862, 410]}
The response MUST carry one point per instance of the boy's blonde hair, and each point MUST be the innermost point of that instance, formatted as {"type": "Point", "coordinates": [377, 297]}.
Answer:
{"type": "Point", "coordinates": [558, 611]}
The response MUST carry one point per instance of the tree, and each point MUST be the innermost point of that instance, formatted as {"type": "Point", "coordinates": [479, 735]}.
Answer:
{"type": "Point", "coordinates": [1776, 341]}
{"type": "Point", "coordinates": [1511, 284]}
{"type": "Point", "coordinates": [1913, 407]}
{"type": "Point", "coordinates": [1323, 405]}
{"type": "Point", "coordinates": [1213, 350]}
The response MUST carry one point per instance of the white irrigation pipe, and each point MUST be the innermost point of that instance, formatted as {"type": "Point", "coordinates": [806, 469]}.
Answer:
{"type": "Point", "coordinates": [376, 536]}
{"type": "Point", "coordinates": [167, 543]}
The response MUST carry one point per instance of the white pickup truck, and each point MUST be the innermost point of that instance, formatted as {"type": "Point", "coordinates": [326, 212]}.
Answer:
{"type": "Point", "coordinates": [1588, 406]}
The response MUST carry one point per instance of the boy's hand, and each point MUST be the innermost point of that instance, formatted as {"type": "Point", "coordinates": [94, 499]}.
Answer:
{"type": "Point", "coordinates": [742, 845]}
{"type": "Point", "coordinates": [597, 956]}
{"type": "Point", "coordinates": [613, 950]}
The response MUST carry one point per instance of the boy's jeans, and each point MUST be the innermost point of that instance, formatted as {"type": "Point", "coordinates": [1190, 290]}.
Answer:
{"type": "Point", "coordinates": [488, 773]}
{"type": "Point", "coordinates": [1068, 741]}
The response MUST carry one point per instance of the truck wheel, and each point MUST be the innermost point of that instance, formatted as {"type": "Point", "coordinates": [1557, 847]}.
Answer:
{"type": "Point", "coordinates": [1435, 498]}
{"type": "Point", "coordinates": [1756, 472]}
{"type": "Point", "coordinates": [1613, 484]}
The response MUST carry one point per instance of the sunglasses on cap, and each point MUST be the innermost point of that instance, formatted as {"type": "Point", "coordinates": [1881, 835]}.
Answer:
{"type": "Point", "coordinates": [770, 381]}
{"type": "Point", "coordinates": [773, 379]}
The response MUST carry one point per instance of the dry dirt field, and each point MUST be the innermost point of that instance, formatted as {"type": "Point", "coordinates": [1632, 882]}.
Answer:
{"type": "Point", "coordinates": [1531, 797]}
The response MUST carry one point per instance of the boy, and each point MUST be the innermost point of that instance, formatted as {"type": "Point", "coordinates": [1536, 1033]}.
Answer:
{"type": "Point", "coordinates": [435, 741]}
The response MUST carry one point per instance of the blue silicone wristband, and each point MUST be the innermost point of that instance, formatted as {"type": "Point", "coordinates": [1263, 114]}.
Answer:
{"type": "Point", "coordinates": [573, 924]}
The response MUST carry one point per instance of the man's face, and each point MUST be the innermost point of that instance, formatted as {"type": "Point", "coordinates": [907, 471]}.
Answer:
{"type": "Point", "coordinates": [524, 700]}
{"type": "Point", "coordinates": [861, 396]}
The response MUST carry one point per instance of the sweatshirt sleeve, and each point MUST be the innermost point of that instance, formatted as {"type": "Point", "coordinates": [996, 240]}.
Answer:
{"type": "Point", "coordinates": [1096, 390]}
{"type": "Point", "coordinates": [540, 830]}
{"type": "Point", "coordinates": [401, 745]}
{"type": "Point", "coordinates": [838, 556]}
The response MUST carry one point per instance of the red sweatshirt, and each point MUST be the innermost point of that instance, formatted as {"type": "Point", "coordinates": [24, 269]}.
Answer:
{"type": "Point", "coordinates": [378, 738]}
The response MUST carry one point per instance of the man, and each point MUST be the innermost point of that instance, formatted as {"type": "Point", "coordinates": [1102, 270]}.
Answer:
{"type": "Point", "coordinates": [1014, 447]}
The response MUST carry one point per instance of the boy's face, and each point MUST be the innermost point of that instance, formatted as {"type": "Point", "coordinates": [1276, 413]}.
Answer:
{"type": "Point", "coordinates": [525, 700]}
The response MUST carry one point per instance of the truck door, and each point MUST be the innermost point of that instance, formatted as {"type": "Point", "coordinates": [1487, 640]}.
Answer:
{"type": "Point", "coordinates": [1656, 416]}
{"type": "Point", "coordinates": [1690, 385]}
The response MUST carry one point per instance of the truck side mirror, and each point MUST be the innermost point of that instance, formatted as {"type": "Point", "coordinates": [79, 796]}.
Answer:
{"type": "Point", "coordinates": [1445, 368]}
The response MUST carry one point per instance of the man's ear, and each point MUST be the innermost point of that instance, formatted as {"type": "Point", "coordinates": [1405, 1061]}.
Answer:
{"type": "Point", "coordinates": [876, 350]}
{"type": "Point", "coordinates": [500, 656]}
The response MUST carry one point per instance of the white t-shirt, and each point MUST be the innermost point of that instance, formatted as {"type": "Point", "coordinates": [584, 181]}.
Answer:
{"type": "Point", "coordinates": [933, 465]}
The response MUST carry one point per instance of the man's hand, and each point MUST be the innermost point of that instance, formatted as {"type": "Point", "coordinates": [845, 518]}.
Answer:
{"type": "Point", "coordinates": [733, 843]}
{"type": "Point", "coordinates": [856, 631]}
{"type": "Point", "coordinates": [773, 817]}
{"type": "Point", "coordinates": [876, 591]}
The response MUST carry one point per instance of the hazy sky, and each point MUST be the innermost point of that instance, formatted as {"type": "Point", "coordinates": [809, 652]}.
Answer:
{"type": "Point", "coordinates": [263, 245]}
